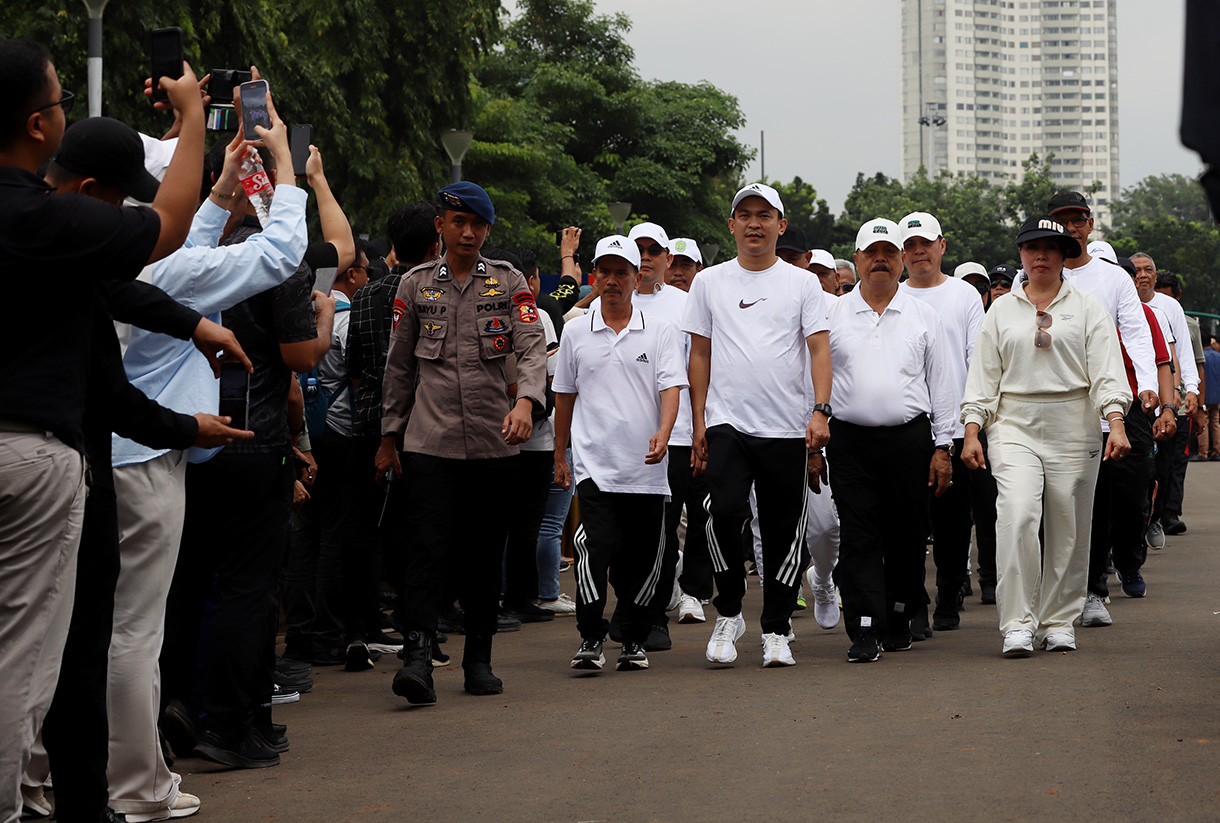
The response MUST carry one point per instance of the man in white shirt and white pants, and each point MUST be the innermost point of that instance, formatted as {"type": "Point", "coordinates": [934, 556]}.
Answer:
{"type": "Point", "coordinates": [894, 410]}
{"type": "Point", "coordinates": [617, 381]}
{"type": "Point", "coordinates": [751, 320]}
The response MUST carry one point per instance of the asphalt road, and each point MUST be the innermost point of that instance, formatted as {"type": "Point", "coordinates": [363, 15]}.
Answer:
{"type": "Point", "coordinates": [1125, 728]}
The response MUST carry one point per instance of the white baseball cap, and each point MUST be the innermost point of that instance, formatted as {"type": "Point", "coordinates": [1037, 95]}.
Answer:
{"type": "Point", "coordinates": [971, 268]}
{"type": "Point", "coordinates": [649, 231]}
{"type": "Point", "coordinates": [687, 248]}
{"type": "Point", "coordinates": [878, 229]}
{"type": "Point", "coordinates": [758, 190]}
{"type": "Point", "coordinates": [1102, 249]}
{"type": "Point", "coordinates": [822, 258]}
{"type": "Point", "coordinates": [920, 224]}
{"type": "Point", "coordinates": [618, 246]}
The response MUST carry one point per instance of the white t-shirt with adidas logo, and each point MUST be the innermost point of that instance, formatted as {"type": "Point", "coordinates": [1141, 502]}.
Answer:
{"type": "Point", "coordinates": [757, 322]}
{"type": "Point", "coordinates": [618, 380]}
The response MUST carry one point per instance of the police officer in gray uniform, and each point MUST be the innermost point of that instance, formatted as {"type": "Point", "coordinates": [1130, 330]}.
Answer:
{"type": "Point", "coordinates": [466, 332]}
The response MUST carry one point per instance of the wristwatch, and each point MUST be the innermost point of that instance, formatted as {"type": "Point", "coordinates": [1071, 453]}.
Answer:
{"type": "Point", "coordinates": [947, 447]}
{"type": "Point", "coordinates": [1171, 407]}
{"type": "Point", "coordinates": [824, 408]}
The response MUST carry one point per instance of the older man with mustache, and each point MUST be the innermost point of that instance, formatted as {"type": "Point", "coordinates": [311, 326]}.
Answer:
{"type": "Point", "coordinates": [894, 413]}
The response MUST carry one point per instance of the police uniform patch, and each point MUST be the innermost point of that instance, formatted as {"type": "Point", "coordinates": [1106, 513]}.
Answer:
{"type": "Point", "coordinates": [528, 313]}
{"type": "Point", "coordinates": [431, 293]}
{"type": "Point", "coordinates": [431, 328]}
{"type": "Point", "coordinates": [523, 297]}
{"type": "Point", "coordinates": [494, 326]}
{"type": "Point", "coordinates": [399, 308]}
{"type": "Point", "coordinates": [492, 291]}
{"type": "Point", "coordinates": [500, 343]}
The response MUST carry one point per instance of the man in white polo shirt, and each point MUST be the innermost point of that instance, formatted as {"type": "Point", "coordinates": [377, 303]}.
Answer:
{"type": "Point", "coordinates": [756, 322]}
{"type": "Point", "coordinates": [617, 381]}
{"type": "Point", "coordinates": [957, 304]}
{"type": "Point", "coordinates": [894, 410]}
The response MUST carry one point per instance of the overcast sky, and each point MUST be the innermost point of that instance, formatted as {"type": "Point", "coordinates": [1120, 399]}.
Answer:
{"type": "Point", "coordinates": [821, 78]}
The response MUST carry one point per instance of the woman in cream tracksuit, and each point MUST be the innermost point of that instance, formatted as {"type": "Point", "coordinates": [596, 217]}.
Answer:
{"type": "Point", "coordinates": [1045, 365]}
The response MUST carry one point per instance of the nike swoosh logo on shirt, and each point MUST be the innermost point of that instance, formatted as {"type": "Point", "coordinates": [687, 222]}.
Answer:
{"type": "Point", "coordinates": [741, 304]}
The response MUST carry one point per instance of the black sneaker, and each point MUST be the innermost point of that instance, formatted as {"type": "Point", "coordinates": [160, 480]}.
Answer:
{"type": "Point", "coordinates": [239, 748]}
{"type": "Point", "coordinates": [179, 727]}
{"type": "Point", "coordinates": [658, 640]}
{"type": "Point", "coordinates": [987, 593]}
{"type": "Point", "coordinates": [451, 621]}
{"type": "Point", "coordinates": [864, 649]}
{"type": "Point", "coordinates": [1173, 525]}
{"type": "Point", "coordinates": [528, 613]}
{"type": "Point", "coordinates": [292, 682]}
{"type": "Point", "coordinates": [280, 696]}
{"type": "Point", "coordinates": [358, 658]}
{"type": "Point", "coordinates": [329, 657]}
{"type": "Point", "coordinates": [894, 643]}
{"type": "Point", "coordinates": [271, 735]}
{"type": "Point", "coordinates": [920, 630]}
{"type": "Point", "coordinates": [632, 658]}
{"type": "Point", "coordinates": [589, 655]}
{"type": "Point", "coordinates": [508, 623]}
{"type": "Point", "coordinates": [439, 658]}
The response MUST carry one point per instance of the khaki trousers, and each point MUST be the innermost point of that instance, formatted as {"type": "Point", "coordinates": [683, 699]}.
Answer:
{"type": "Point", "coordinates": [152, 503]}
{"type": "Point", "coordinates": [42, 510]}
{"type": "Point", "coordinates": [1044, 456]}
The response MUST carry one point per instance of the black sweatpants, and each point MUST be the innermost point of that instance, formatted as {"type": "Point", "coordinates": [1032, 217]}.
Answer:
{"type": "Point", "coordinates": [621, 538]}
{"type": "Point", "coordinates": [1120, 505]}
{"type": "Point", "coordinates": [235, 533]}
{"type": "Point", "coordinates": [532, 475]}
{"type": "Point", "coordinates": [951, 525]}
{"type": "Point", "coordinates": [1177, 469]}
{"type": "Point", "coordinates": [879, 477]}
{"type": "Point", "coordinates": [687, 490]}
{"type": "Point", "coordinates": [454, 516]}
{"type": "Point", "coordinates": [777, 468]}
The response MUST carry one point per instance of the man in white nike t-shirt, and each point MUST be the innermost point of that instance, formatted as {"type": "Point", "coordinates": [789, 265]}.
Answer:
{"type": "Point", "coordinates": [755, 323]}
{"type": "Point", "coordinates": [961, 313]}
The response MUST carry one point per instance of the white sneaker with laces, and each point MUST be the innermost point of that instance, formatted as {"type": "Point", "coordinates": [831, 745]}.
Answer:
{"type": "Point", "coordinates": [690, 610]}
{"type": "Point", "coordinates": [184, 806]}
{"type": "Point", "coordinates": [776, 652]}
{"type": "Point", "coordinates": [826, 606]}
{"type": "Point", "coordinates": [722, 648]}
{"type": "Point", "coordinates": [34, 802]}
{"type": "Point", "coordinates": [1095, 612]}
{"type": "Point", "coordinates": [1019, 643]}
{"type": "Point", "coordinates": [1059, 642]}
{"type": "Point", "coordinates": [560, 605]}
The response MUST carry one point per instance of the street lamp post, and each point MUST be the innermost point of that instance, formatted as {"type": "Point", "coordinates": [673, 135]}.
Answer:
{"type": "Point", "coordinates": [456, 143]}
{"type": "Point", "coordinates": [619, 212]}
{"type": "Point", "coordinates": [95, 9]}
{"type": "Point", "coordinates": [931, 119]}
{"type": "Point", "coordinates": [710, 250]}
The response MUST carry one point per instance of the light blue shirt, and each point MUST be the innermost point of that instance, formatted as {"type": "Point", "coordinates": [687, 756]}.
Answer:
{"type": "Point", "coordinates": [208, 279]}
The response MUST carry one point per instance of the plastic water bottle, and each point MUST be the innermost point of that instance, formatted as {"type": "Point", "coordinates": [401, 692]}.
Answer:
{"type": "Point", "coordinates": [257, 186]}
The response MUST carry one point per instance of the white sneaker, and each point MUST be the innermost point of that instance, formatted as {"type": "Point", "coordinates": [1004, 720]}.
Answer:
{"type": "Point", "coordinates": [1019, 643]}
{"type": "Point", "coordinates": [185, 806]}
{"type": "Point", "coordinates": [560, 605]}
{"type": "Point", "coordinates": [1095, 613]}
{"type": "Point", "coordinates": [826, 606]}
{"type": "Point", "coordinates": [722, 648]}
{"type": "Point", "coordinates": [690, 610]}
{"type": "Point", "coordinates": [776, 652]}
{"type": "Point", "coordinates": [34, 802]}
{"type": "Point", "coordinates": [1059, 642]}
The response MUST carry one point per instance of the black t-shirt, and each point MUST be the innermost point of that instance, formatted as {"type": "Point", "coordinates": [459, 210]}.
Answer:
{"type": "Point", "coordinates": [283, 314]}
{"type": "Point", "coordinates": [71, 241]}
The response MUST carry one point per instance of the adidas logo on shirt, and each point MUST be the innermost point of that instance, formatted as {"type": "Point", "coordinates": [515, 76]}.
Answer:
{"type": "Point", "coordinates": [643, 358]}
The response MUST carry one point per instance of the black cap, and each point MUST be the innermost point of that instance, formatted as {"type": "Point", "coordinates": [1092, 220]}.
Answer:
{"type": "Point", "coordinates": [1003, 272]}
{"type": "Point", "coordinates": [1126, 265]}
{"type": "Point", "coordinates": [1068, 200]}
{"type": "Point", "coordinates": [1036, 228]}
{"type": "Point", "coordinates": [111, 151]}
{"type": "Point", "coordinates": [792, 239]}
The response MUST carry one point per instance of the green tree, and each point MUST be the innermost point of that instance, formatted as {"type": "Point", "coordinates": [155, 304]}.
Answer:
{"type": "Point", "coordinates": [1163, 195]}
{"type": "Point", "coordinates": [805, 210]}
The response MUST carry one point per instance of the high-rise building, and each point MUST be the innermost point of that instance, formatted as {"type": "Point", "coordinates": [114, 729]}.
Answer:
{"type": "Point", "coordinates": [986, 83]}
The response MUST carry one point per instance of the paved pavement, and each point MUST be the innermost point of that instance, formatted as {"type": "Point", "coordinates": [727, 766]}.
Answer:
{"type": "Point", "coordinates": [1125, 728]}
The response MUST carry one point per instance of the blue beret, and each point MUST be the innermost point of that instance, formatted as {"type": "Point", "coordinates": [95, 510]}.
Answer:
{"type": "Point", "coordinates": [468, 197]}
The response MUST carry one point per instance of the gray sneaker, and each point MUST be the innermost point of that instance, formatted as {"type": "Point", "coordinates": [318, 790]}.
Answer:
{"type": "Point", "coordinates": [1095, 613]}
{"type": "Point", "coordinates": [1155, 536]}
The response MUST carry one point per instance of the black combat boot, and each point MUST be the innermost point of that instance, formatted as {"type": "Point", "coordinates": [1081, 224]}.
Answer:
{"type": "Point", "coordinates": [476, 663]}
{"type": "Point", "coordinates": [414, 680]}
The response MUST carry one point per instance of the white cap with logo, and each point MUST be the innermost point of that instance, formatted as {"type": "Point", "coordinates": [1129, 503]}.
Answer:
{"type": "Point", "coordinates": [649, 231]}
{"type": "Point", "coordinates": [821, 257]}
{"type": "Point", "coordinates": [1102, 249]}
{"type": "Point", "coordinates": [617, 246]}
{"type": "Point", "coordinates": [970, 267]}
{"type": "Point", "coordinates": [920, 224]}
{"type": "Point", "coordinates": [686, 247]}
{"type": "Point", "coordinates": [878, 229]}
{"type": "Point", "coordinates": [758, 190]}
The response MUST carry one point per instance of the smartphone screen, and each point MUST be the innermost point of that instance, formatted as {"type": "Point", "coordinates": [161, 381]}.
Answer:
{"type": "Point", "coordinates": [235, 394]}
{"type": "Point", "coordinates": [299, 139]}
{"type": "Point", "coordinates": [254, 107]}
{"type": "Point", "coordinates": [166, 58]}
